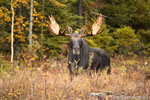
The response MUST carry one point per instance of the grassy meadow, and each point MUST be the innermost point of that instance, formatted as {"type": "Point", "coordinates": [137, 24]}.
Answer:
{"type": "Point", "coordinates": [52, 81]}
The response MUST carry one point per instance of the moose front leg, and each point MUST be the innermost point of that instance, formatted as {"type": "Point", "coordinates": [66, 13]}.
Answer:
{"type": "Point", "coordinates": [70, 67]}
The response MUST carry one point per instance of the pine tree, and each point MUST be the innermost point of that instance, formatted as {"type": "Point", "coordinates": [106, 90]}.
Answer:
{"type": "Point", "coordinates": [126, 39]}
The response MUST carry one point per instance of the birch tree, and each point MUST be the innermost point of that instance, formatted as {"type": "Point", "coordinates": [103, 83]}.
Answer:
{"type": "Point", "coordinates": [12, 30]}
{"type": "Point", "coordinates": [30, 31]}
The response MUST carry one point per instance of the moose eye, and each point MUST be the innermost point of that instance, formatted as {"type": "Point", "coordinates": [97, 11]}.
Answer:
{"type": "Point", "coordinates": [71, 43]}
{"type": "Point", "coordinates": [79, 41]}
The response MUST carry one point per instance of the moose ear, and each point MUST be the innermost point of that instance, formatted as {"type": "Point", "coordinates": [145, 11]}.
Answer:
{"type": "Point", "coordinates": [82, 31]}
{"type": "Point", "coordinates": [69, 30]}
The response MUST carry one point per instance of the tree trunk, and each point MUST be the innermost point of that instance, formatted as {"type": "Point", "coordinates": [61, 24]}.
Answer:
{"type": "Point", "coordinates": [95, 8]}
{"type": "Point", "coordinates": [30, 31]}
{"type": "Point", "coordinates": [86, 17]}
{"type": "Point", "coordinates": [79, 11]}
{"type": "Point", "coordinates": [42, 29]}
{"type": "Point", "coordinates": [20, 7]}
{"type": "Point", "coordinates": [12, 30]}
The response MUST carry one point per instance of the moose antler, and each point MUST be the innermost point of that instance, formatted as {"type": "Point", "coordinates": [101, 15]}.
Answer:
{"type": "Point", "coordinates": [95, 28]}
{"type": "Point", "coordinates": [54, 27]}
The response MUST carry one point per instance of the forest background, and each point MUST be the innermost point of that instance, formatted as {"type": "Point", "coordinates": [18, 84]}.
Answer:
{"type": "Point", "coordinates": [126, 27]}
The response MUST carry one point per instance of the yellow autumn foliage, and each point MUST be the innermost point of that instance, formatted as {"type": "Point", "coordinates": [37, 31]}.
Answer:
{"type": "Point", "coordinates": [24, 25]}
{"type": "Point", "coordinates": [4, 13]}
{"type": "Point", "coordinates": [32, 58]}
{"type": "Point", "coordinates": [35, 3]}
{"type": "Point", "coordinates": [58, 3]}
{"type": "Point", "coordinates": [24, 1]}
{"type": "Point", "coordinates": [26, 60]}
{"type": "Point", "coordinates": [41, 17]}
{"type": "Point", "coordinates": [35, 14]}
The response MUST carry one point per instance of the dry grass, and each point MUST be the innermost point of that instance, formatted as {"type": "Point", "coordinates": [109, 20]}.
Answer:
{"type": "Point", "coordinates": [127, 76]}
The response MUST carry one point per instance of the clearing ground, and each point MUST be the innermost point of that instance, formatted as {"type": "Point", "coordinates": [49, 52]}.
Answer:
{"type": "Point", "coordinates": [128, 78]}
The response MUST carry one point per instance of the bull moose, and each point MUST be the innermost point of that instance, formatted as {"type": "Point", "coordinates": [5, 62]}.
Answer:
{"type": "Point", "coordinates": [79, 51]}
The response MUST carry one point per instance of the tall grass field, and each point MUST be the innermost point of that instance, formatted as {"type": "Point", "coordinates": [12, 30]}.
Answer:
{"type": "Point", "coordinates": [52, 81]}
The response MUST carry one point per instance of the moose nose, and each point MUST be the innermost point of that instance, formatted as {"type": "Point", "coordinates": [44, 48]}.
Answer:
{"type": "Point", "coordinates": [76, 47]}
{"type": "Point", "coordinates": [76, 50]}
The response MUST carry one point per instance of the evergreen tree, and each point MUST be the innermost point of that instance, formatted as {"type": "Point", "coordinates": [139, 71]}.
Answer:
{"type": "Point", "coordinates": [126, 39]}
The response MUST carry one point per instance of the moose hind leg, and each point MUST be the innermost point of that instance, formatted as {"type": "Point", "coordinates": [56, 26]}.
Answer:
{"type": "Point", "coordinates": [109, 70]}
{"type": "Point", "coordinates": [69, 66]}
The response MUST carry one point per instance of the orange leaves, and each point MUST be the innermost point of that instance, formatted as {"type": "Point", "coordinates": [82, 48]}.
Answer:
{"type": "Point", "coordinates": [35, 3]}
{"type": "Point", "coordinates": [36, 17]}
{"type": "Point", "coordinates": [35, 14]}
{"type": "Point", "coordinates": [36, 20]}
{"type": "Point", "coordinates": [9, 39]}
{"type": "Point", "coordinates": [1, 13]}
{"type": "Point", "coordinates": [41, 17]}
{"type": "Point", "coordinates": [34, 36]}
{"type": "Point", "coordinates": [7, 19]}
{"type": "Point", "coordinates": [24, 25]}
{"type": "Point", "coordinates": [24, 1]}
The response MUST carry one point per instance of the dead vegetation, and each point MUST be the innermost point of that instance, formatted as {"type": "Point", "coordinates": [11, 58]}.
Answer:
{"type": "Point", "coordinates": [128, 78]}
